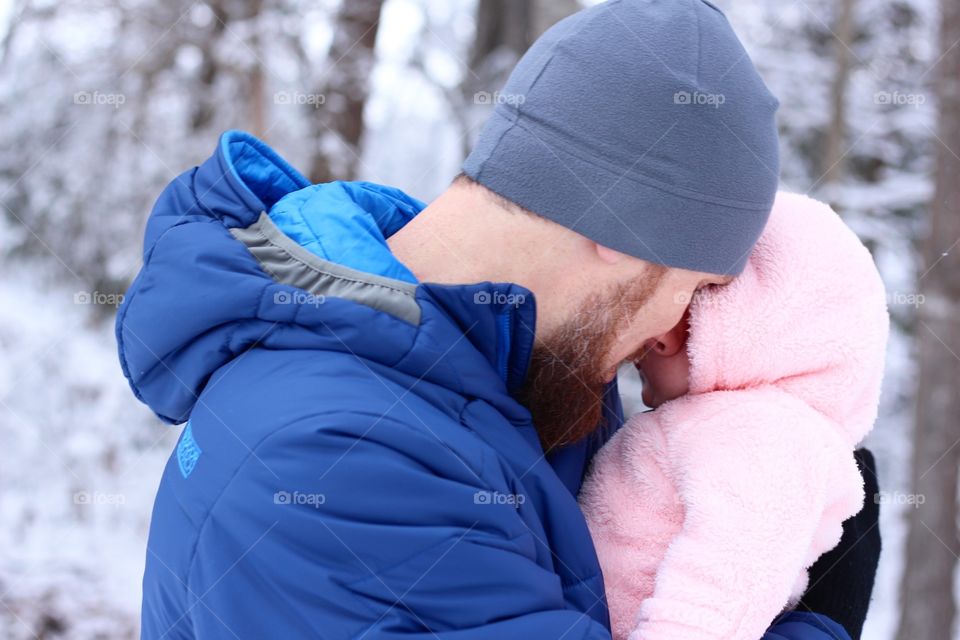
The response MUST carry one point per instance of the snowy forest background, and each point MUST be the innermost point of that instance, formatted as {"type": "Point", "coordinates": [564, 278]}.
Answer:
{"type": "Point", "coordinates": [102, 102]}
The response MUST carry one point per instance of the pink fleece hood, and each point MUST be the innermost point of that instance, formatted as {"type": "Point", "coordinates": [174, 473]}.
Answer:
{"type": "Point", "coordinates": [808, 315]}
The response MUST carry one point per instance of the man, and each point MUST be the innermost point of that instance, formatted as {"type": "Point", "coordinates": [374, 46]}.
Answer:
{"type": "Point", "coordinates": [383, 442]}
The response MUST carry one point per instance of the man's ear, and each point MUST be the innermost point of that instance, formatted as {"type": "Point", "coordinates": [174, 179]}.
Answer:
{"type": "Point", "coordinates": [608, 255]}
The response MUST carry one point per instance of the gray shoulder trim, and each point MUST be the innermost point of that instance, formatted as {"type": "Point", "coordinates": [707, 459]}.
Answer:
{"type": "Point", "coordinates": [289, 263]}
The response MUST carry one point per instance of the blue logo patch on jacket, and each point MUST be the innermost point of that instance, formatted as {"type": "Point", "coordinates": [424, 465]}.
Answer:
{"type": "Point", "coordinates": [188, 452]}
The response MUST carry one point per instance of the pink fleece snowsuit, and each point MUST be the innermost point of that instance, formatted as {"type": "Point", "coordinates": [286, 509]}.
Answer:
{"type": "Point", "coordinates": [707, 512]}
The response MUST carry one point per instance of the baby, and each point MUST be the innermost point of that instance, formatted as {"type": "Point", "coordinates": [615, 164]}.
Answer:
{"type": "Point", "coordinates": [707, 511]}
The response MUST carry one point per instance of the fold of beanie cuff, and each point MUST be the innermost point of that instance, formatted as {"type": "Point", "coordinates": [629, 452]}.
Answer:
{"type": "Point", "coordinates": [624, 211]}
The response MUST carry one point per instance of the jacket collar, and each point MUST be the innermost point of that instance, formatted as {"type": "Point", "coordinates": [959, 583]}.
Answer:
{"type": "Point", "coordinates": [492, 329]}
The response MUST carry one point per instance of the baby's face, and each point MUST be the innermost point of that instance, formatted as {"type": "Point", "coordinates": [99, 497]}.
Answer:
{"type": "Point", "coordinates": [665, 369]}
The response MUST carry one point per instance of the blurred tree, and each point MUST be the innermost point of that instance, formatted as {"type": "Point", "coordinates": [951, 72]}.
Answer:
{"type": "Point", "coordinates": [834, 153]}
{"type": "Point", "coordinates": [505, 29]}
{"type": "Point", "coordinates": [214, 38]}
{"type": "Point", "coordinates": [927, 593]}
{"type": "Point", "coordinates": [549, 12]}
{"type": "Point", "coordinates": [204, 103]}
{"type": "Point", "coordinates": [18, 12]}
{"type": "Point", "coordinates": [257, 78]}
{"type": "Point", "coordinates": [96, 125]}
{"type": "Point", "coordinates": [337, 127]}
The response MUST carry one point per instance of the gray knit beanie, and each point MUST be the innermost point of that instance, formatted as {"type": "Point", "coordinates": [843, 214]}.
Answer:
{"type": "Point", "coordinates": [644, 126]}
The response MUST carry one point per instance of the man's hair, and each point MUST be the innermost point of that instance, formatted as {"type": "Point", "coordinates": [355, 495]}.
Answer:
{"type": "Point", "coordinates": [506, 204]}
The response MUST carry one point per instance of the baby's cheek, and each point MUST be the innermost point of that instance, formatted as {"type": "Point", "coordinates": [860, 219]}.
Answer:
{"type": "Point", "coordinates": [684, 372]}
{"type": "Point", "coordinates": [675, 376]}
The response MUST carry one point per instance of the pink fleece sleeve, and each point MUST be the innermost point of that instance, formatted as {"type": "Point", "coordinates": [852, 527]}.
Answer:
{"type": "Point", "coordinates": [765, 483]}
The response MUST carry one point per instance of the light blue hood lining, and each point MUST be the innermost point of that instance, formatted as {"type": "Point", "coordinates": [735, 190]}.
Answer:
{"type": "Point", "coordinates": [344, 223]}
{"type": "Point", "coordinates": [347, 223]}
{"type": "Point", "coordinates": [261, 174]}
{"type": "Point", "coordinates": [325, 239]}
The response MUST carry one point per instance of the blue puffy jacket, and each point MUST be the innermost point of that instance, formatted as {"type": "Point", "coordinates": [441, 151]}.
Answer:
{"type": "Point", "coordinates": [353, 465]}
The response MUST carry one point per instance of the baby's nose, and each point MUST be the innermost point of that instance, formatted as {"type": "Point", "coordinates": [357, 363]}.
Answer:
{"type": "Point", "coordinates": [671, 342]}
{"type": "Point", "coordinates": [665, 346]}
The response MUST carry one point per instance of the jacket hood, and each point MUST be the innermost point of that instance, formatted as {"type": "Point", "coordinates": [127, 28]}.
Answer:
{"type": "Point", "coordinates": [808, 315]}
{"type": "Point", "coordinates": [243, 252]}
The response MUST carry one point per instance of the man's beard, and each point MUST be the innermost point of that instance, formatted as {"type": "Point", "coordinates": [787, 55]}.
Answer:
{"type": "Point", "coordinates": [565, 381]}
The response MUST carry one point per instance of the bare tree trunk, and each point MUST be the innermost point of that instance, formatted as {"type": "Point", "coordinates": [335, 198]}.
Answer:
{"type": "Point", "coordinates": [549, 12]}
{"type": "Point", "coordinates": [502, 35]}
{"type": "Point", "coordinates": [505, 30]}
{"type": "Point", "coordinates": [832, 163]}
{"type": "Point", "coordinates": [205, 106]}
{"type": "Point", "coordinates": [503, 27]}
{"type": "Point", "coordinates": [257, 108]}
{"type": "Point", "coordinates": [927, 589]}
{"type": "Point", "coordinates": [258, 89]}
{"type": "Point", "coordinates": [338, 122]}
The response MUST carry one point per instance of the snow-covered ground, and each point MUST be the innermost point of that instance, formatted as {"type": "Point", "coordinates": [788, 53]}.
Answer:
{"type": "Point", "coordinates": [81, 462]}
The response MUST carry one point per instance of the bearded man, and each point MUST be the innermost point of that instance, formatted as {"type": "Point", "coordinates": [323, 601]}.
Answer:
{"type": "Point", "coordinates": [390, 406]}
